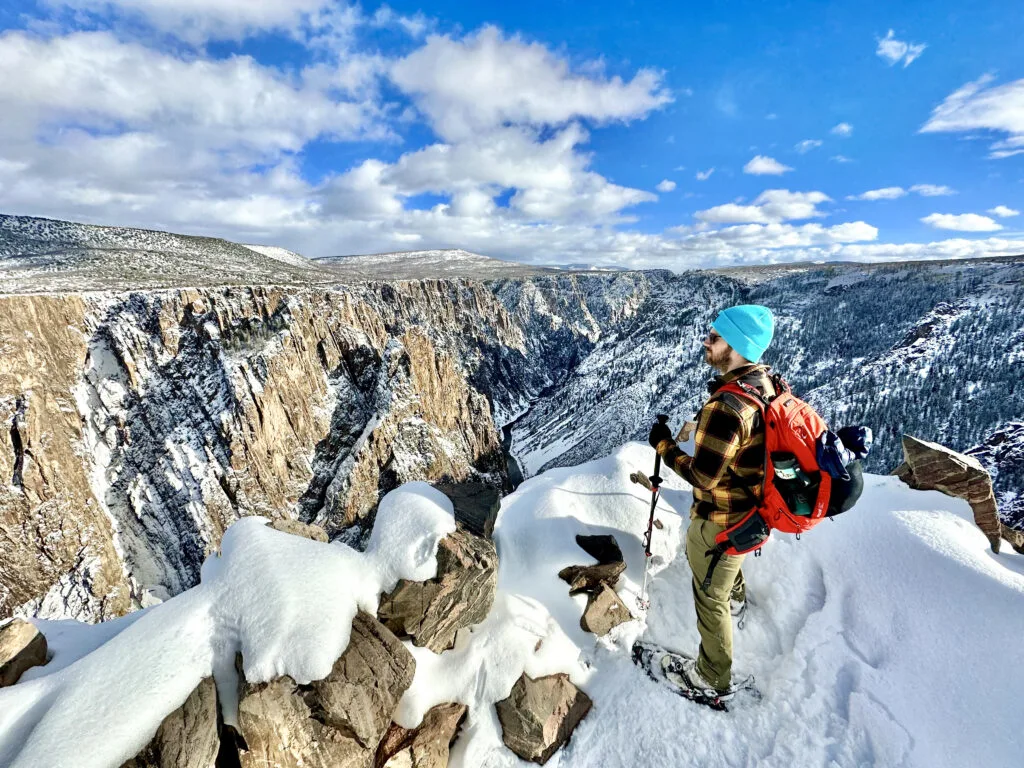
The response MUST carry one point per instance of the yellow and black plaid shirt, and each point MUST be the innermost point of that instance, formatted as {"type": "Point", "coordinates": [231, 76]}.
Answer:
{"type": "Point", "coordinates": [730, 435]}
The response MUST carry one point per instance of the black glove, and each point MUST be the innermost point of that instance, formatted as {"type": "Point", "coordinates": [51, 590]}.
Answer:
{"type": "Point", "coordinates": [659, 432]}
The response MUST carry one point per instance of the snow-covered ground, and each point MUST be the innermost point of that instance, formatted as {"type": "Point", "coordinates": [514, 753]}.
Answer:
{"type": "Point", "coordinates": [889, 637]}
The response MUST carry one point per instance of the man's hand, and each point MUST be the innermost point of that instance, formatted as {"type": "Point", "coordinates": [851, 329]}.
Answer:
{"type": "Point", "coordinates": [659, 432]}
{"type": "Point", "coordinates": [686, 432]}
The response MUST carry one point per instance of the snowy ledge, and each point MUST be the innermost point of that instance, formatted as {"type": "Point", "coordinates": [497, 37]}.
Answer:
{"type": "Point", "coordinates": [864, 636]}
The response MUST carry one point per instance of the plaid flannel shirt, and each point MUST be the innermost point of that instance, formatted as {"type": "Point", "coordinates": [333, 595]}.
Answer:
{"type": "Point", "coordinates": [730, 435]}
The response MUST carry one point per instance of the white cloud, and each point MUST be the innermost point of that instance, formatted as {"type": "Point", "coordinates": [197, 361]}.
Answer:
{"type": "Point", "coordinates": [197, 21]}
{"type": "Point", "coordinates": [731, 213]}
{"type": "Point", "coordinates": [771, 206]}
{"type": "Point", "coordinates": [894, 51]}
{"type": "Point", "coordinates": [932, 190]}
{"type": "Point", "coordinates": [1003, 212]}
{"type": "Point", "coordinates": [840, 159]}
{"type": "Point", "coordinates": [980, 106]}
{"type": "Point", "coordinates": [807, 145]}
{"type": "Point", "coordinates": [665, 185]}
{"type": "Point", "coordinates": [486, 80]}
{"type": "Point", "coordinates": [761, 165]}
{"type": "Point", "coordinates": [886, 193]}
{"type": "Point", "coordinates": [97, 83]}
{"type": "Point", "coordinates": [705, 175]}
{"type": "Point", "coordinates": [842, 129]}
{"type": "Point", "coordinates": [965, 222]}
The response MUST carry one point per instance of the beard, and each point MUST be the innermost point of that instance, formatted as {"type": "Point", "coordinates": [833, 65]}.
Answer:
{"type": "Point", "coordinates": [719, 361]}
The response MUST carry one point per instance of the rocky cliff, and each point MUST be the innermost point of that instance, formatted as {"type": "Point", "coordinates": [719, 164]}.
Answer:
{"type": "Point", "coordinates": [141, 423]}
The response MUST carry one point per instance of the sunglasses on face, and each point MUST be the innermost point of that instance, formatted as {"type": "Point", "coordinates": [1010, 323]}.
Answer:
{"type": "Point", "coordinates": [713, 337]}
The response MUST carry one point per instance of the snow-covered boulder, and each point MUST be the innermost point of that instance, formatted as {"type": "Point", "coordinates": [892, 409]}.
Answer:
{"type": "Point", "coordinates": [22, 647]}
{"type": "Point", "coordinates": [425, 746]}
{"type": "Point", "coordinates": [539, 716]}
{"type": "Point", "coordinates": [461, 595]}
{"type": "Point", "coordinates": [187, 738]}
{"type": "Point", "coordinates": [336, 721]}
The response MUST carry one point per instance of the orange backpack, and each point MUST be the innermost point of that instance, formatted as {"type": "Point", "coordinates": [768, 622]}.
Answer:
{"type": "Point", "coordinates": [796, 491]}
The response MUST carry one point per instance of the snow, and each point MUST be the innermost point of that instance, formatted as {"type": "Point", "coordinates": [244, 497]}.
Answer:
{"type": "Point", "coordinates": [285, 602]}
{"type": "Point", "coordinates": [887, 637]}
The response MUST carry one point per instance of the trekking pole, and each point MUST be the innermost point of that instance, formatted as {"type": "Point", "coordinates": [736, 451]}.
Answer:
{"type": "Point", "coordinates": [642, 600]}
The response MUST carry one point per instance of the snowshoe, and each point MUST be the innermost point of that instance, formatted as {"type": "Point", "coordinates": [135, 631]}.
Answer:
{"type": "Point", "coordinates": [668, 668]}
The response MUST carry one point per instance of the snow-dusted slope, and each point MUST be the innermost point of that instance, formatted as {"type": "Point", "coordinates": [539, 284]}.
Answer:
{"type": "Point", "coordinates": [282, 254]}
{"type": "Point", "coordinates": [49, 256]}
{"type": "Point", "coordinates": [418, 265]}
{"type": "Point", "coordinates": [879, 639]}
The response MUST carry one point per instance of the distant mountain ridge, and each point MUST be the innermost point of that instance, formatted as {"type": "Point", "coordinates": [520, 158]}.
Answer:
{"type": "Point", "coordinates": [51, 256]}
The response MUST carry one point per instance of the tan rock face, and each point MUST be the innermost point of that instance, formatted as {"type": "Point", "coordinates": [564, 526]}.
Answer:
{"type": "Point", "coordinates": [56, 529]}
{"type": "Point", "coordinates": [605, 611]}
{"type": "Point", "coordinates": [427, 745]}
{"type": "Point", "coordinates": [22, 647]}
{"type": "Point", "coordinates": [539, 716]}
{"type": "Point", "coordinates": [461, 594]}
{"type": "Point", "coordinates": [294, 527]}
{"type": "Point", "coordinates": [335, 722]}
{"type": "Point", "coordinates": [187, 738]}
{"type": "Point", "coordinates": [929, 466]}
{"type": "Point", "coordinates": [139, 426]}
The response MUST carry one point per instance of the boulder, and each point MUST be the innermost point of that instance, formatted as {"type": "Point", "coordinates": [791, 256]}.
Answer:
{"type": "Point", "coordinates": [425, 746]}
{"type": "Point", "coordinates": [187, 738]}
{"type": "Point", "coordinates": [932, 467]}
{"type": "Point", "coordinates": [605, 611]}
{"type": "Point", "coordinates": [540, 715]}
{"type": "Point", "coordinates": [294, 527]}
{"type": "Point", "coordinates": [604, 548]}
{"type": "Point", "coordinates": [589, 578]}
{"type": "Point", "coordinates": [22, 646]}
{"type": "Point", "coordinates": [338, 721]}
{"type": "Point", "coordinates": [476, 505]}
{"type": "Point", "coordinates": [461, 595]}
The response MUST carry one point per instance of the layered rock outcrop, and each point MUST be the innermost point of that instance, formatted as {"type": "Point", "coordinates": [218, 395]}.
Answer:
{"type": "Point", "coordinates": [459, 596]}
{"type": "Point", "coordinates": [929, 466]}
{"type": "Point", "coordinates": [338, 721]}
{"type": "Point", "coordinates": [425, 746]}
{"type": "Point", "coordinates": [187, 738]}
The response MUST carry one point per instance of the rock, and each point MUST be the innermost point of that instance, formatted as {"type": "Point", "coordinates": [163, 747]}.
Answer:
{"type": "Point", "coordinates": [287, 525]}
{"type": "Point", "coordinates": [476, 505]}
{"type": "Point", "coordinates": [588, 578]}
{"type": "Point", "coordinates": [461, 595]}
{"type": "Point", "coordinates": [187, 738]}
{"type": "Point", "coordinates": [22, 647]}
{"type": "Point", "coordinates": [425, 746]}
{"type": "Point", "coordinates": [605, 549]}
{"type": "Point", "coordinates": [932, 467]}
{"type": "Point", "coordinates": [338, 721]}
{"type": "Point", "coordinates": [605, 611]}
{"type": "Point", "coordinates": [540, 715]}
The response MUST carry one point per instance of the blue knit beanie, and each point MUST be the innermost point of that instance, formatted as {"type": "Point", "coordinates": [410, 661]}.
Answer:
{"type": "Point", "coordinates": [747, 328]}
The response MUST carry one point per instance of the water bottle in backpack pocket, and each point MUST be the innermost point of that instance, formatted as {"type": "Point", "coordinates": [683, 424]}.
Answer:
{"type": "Point", "coordinates": [799, 489]}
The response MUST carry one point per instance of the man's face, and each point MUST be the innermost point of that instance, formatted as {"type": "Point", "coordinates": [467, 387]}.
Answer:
{"type": "Point", "coordinates": [716, 351]}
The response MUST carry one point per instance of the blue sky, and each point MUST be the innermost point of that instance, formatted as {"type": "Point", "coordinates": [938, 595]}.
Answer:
{"type": "Point", "coordinates": [628, 134]}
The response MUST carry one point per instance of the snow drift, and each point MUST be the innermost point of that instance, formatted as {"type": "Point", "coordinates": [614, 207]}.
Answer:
{"type": "Point", "coordinates": [890, 637]}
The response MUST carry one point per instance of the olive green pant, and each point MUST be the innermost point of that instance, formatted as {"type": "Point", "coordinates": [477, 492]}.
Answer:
{"type": "Point", "coordinates": [714, 619]}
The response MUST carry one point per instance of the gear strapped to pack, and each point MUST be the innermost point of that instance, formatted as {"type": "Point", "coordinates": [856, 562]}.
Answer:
{"type": "Point", "coordinates": [796, 492]}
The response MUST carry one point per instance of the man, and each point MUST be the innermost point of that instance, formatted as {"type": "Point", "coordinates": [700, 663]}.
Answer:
{"type": "Point", "coordinates": [727, 473]}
